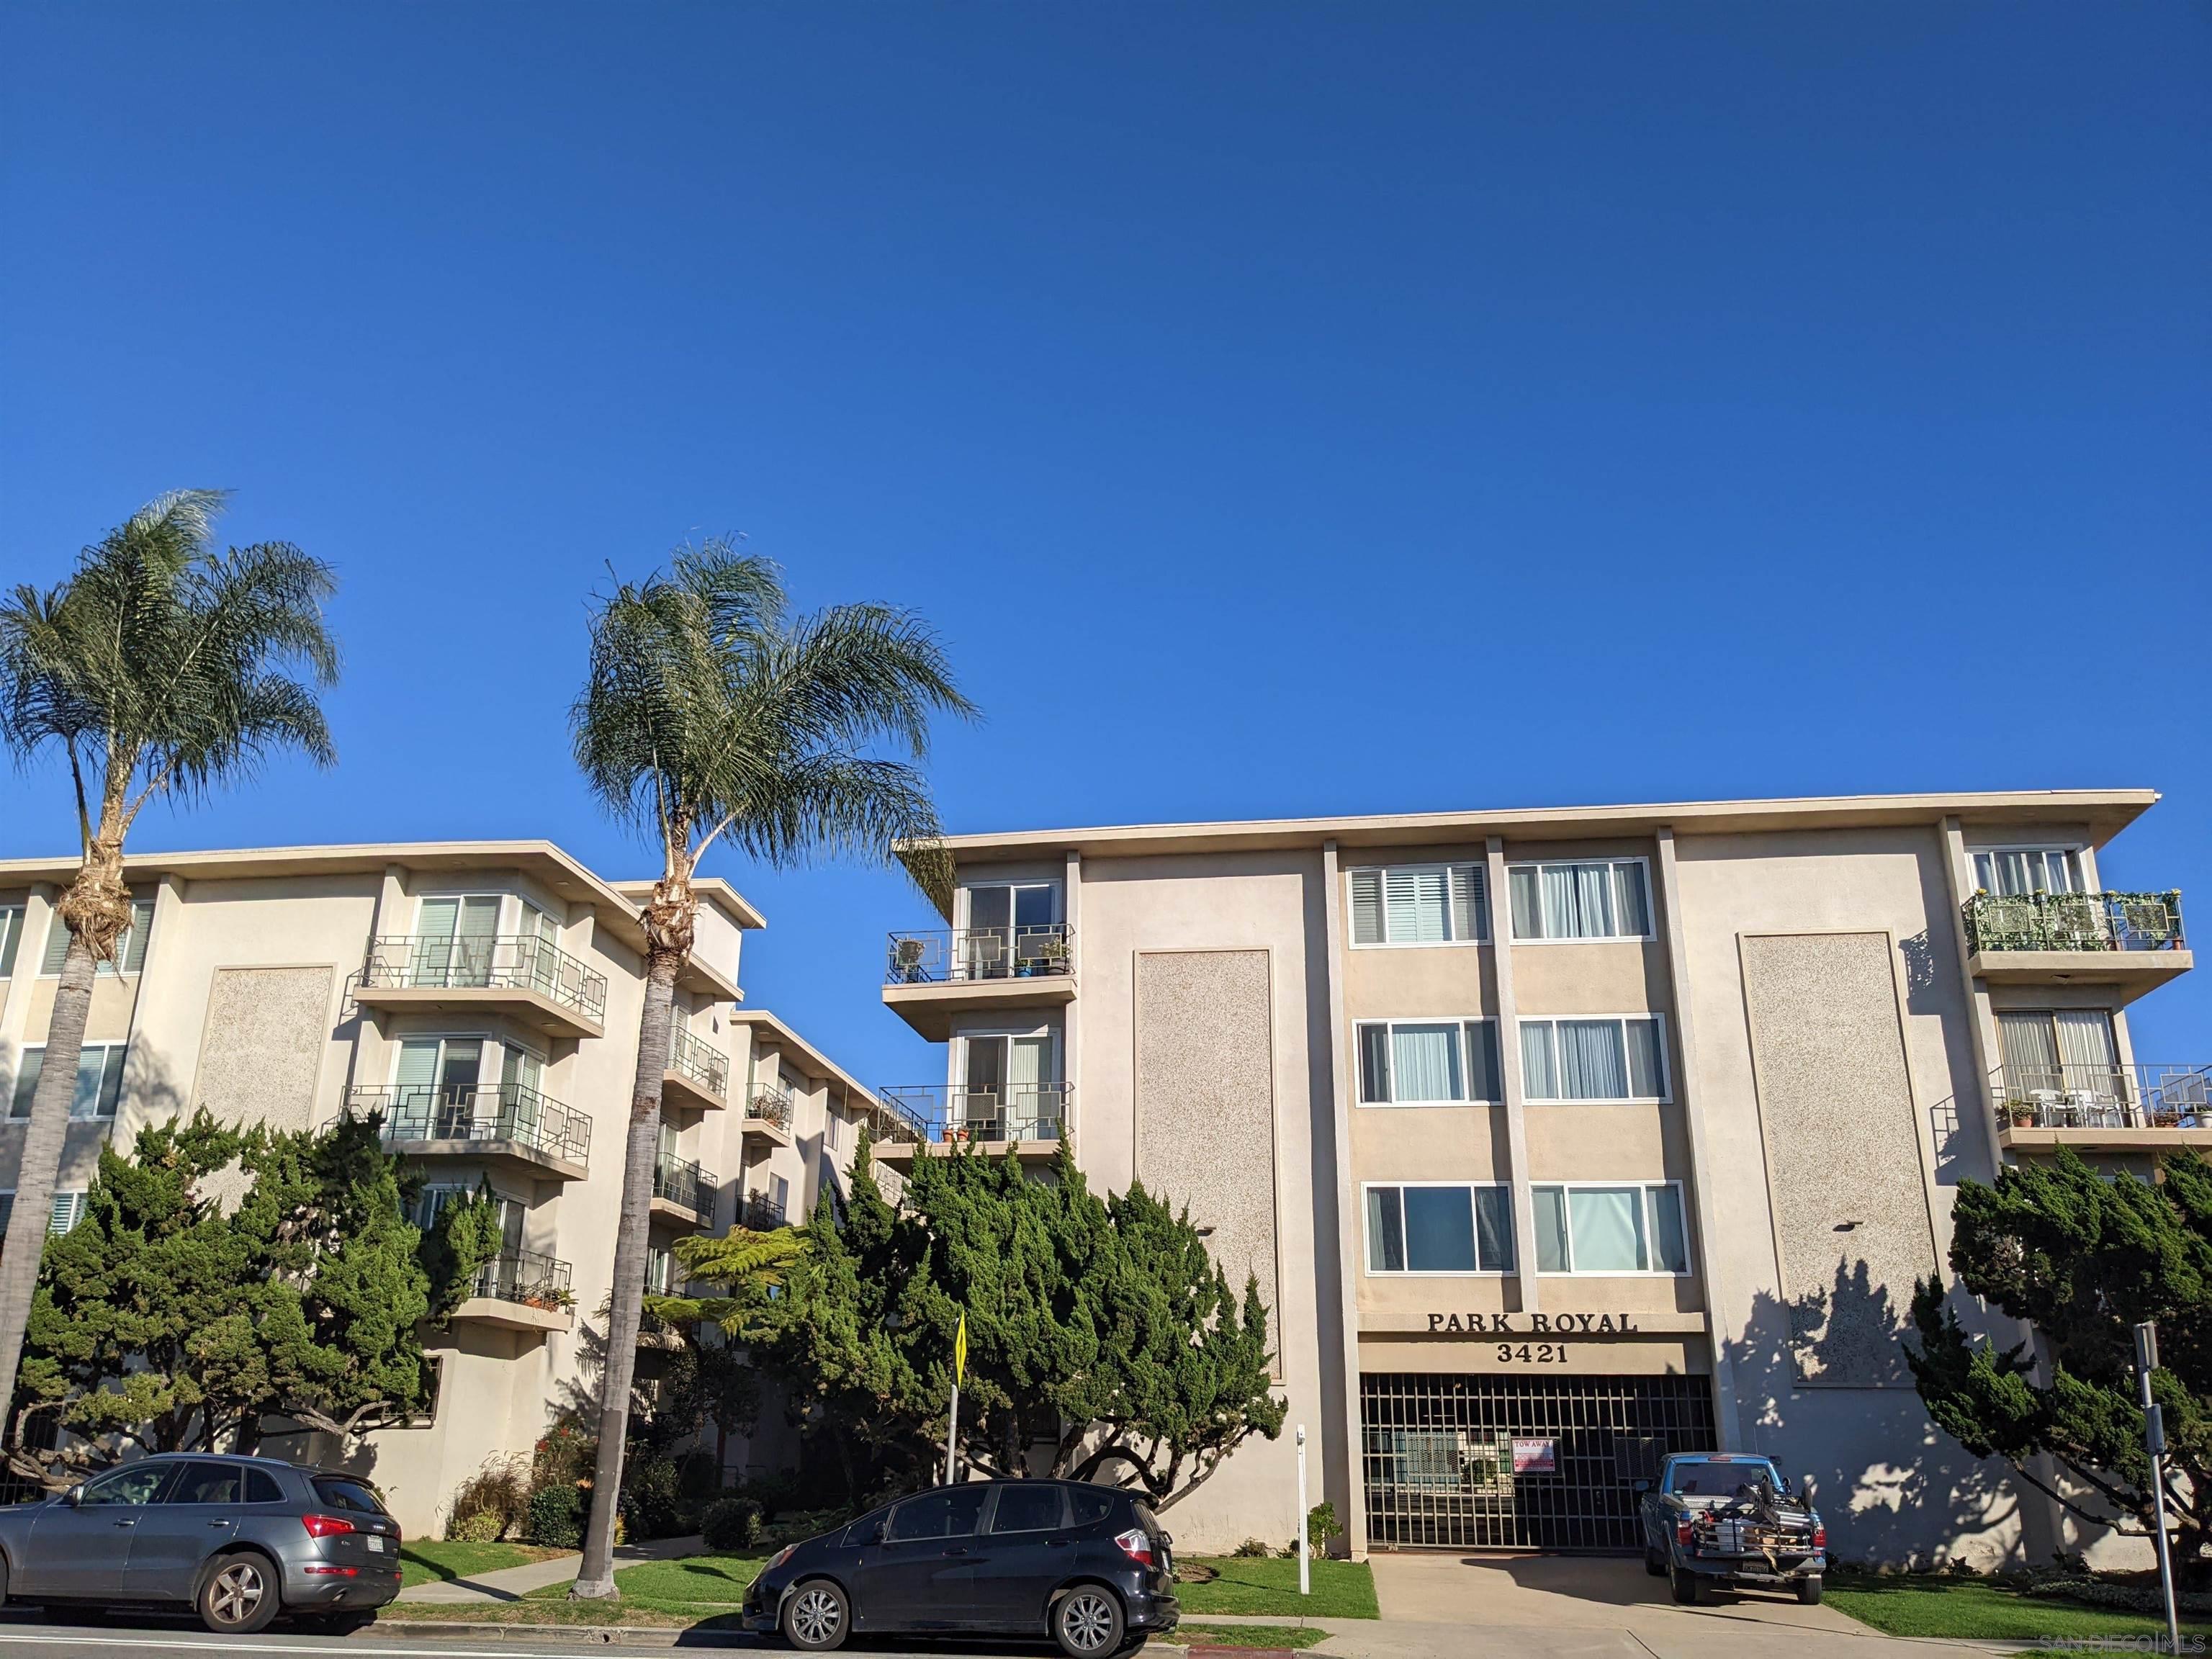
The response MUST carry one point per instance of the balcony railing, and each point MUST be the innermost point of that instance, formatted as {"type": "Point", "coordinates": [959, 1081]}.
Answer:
{"type": "Point", "coordinates": [2087, 1097]}
{"type": "Point", "coordinates": [2074, 921]}
{"type": "Point", "coordinates": [430, 1111]}
{"type": "Point", "coordinates": [525, 1276]}
{"type": "Point", "coordinates": [760, 1213]}
{"type": "Point", "coordinates": [945, 1113]}
{"type": "Point", "coordinates": [683, 1183]}
{"type": "Point", "coordinates": [1036, 951]}
{"type": "Point", "coordinates": [504, 962]}
{"type": "Point", "coordinates": [709, 1067]}
{"type": "Point", "coordinates": [769, 1105]}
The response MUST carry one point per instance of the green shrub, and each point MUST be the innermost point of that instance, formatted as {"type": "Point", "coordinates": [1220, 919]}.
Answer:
{"type": "Point", "coordinates": [557, 1517]}
{"type": "Point", "coordinates": [491, 1503]}
{"type": "Point", "coordinates": [652, 1499]}
{"type": "Point", "coordinates": [480, 1527]}
{"type": "Point", "coordinates": [732, 1524]}
{"type": "Point", "coordinates": [1251, 1549]}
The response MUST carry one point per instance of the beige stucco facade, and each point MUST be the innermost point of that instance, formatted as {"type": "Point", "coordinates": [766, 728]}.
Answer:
{"type": "Point", "coordinates": [271, 990]}
{"type": "Point", "coordinates": [1786, 1054]}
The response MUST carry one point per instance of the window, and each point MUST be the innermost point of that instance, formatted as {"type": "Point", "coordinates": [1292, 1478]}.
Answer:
{"type": "Point", "coordinates": [1026, 1508]}
{"type": "Point", "coordinates": [1089, 1503]}
{"type": "Point", "coordinates": [205, 1483]}
{"type": "Point", "coordinates": [1420, 904]}
{"type": "Point", "coordinates": [261, 1487]}
{"type": "Point", "coordinates": [98, 1081]}
{"type": "Point", "coordinates": [949, 1512]}
{"type": "Point", "coordinates": [1407, 1062]}
{"type": "Point", "coordinates": [134, 1483]}
{"type": "Point", "coordinates": [1604, 898]}
{"type": "Point", "coordinates": [2061, 1051]}
{"type": "Point", "coordinates": [67, 1209]}
{"type": "Point", "coordinates": [660, 1270]}
{"type": "Point", "coordinates": [1432, 1227]}
{"type": "Point", "coordinates": [1629, 1229]}
{"type": "Point", "coordinates": [11, 935]}
{"type": "Point", "coordinates": [1611, 1058]}
{"type": "Point", "coordinates": [453, 940]}
{"type": "Point", "coordinates": [130, 950]}
{"type": "Point", "coordinates": [2012, 871]}
{"type": "Point", "coordinates": [1012, 929]}
{"type": "Point", "coordinates": [434, 1199]}
{"type": "Point", "coordinates": [344, 1492]}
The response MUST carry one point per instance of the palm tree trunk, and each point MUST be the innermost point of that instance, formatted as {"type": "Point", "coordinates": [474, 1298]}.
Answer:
{"type": "Point", "coordinates": [42, 1152]}
{"type": "Point", "coordinates": [595, 1573]}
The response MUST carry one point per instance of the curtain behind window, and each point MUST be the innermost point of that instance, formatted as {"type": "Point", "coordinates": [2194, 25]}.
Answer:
{"type": "Point", "coordinates": [1539, 1078]}
{"type": "Point", "coordinates": [1591, 1064]}
{"type": "Point", "coordinates": [1425, 1063]}
{"type": "Point", "coordinates": [1551, 1206]}
{"type": "Point", "coordinates": [1608, 1228]}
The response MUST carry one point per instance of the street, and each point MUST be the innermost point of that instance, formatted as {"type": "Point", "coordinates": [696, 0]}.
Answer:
{"type": "Point", "coordinates": [133, 1634]}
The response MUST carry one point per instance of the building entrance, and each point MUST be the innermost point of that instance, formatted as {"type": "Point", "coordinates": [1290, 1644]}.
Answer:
{"type": "Point", "coordinates": [1485, 1461]}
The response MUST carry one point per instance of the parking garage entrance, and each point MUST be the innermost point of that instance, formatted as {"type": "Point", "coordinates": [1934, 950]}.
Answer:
{"type": "Point", "coordinates": [1491, 1461]}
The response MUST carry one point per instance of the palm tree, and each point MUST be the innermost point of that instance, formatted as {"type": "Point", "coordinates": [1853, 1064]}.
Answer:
{"type": "Point", "coordinates": [711, 714]}
{"type": "Point", "coordinates": [160, 669]}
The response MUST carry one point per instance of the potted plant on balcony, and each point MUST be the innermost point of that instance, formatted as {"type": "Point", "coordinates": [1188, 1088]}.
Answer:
{"type": "Point", "coordinates": [2023, 1113]}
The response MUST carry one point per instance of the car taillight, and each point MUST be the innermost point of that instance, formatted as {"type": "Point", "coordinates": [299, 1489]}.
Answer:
{"type": "Point", "coordinates": [1136, 1544]}
{"type": "Point", "coordinates": [1819, 1538]}
{"type": "Point", "coordinates": [326, 1525]}
{"type": "Point", "coordinates": [1685, 1532]}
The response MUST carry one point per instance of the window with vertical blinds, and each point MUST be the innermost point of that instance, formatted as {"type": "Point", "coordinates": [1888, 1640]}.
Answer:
{"type": "Point", "coordinates": [1420, 904]}
{"type": "Point", "coordinates": [11, 935]}
{"type": "Point", "coordinates": [98, 1081]}
{"type": "Point", "coordinates": [130, 950]}
{"type": "Point", "coordinates": [1428, 1062]}
{"type": "Point", "coordinates": [1601, 898]}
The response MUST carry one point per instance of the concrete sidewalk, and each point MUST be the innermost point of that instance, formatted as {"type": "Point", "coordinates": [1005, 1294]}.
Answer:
{"type": "Point", "coordinates": [512, 1583]}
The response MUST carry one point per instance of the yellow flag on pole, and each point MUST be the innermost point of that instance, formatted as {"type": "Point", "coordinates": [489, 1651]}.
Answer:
{"type": "Point", "coordinates": [960, 1351]}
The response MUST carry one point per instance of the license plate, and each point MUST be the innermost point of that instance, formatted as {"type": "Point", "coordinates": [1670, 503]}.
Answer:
{"type": "Point", "coordinates": [374, 1543]}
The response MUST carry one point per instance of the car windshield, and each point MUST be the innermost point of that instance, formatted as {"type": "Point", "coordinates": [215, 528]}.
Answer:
{"type": "Point", "coordinates": [1713, 1477]}
{"type": "Point", "coordinates": [346, 1493]}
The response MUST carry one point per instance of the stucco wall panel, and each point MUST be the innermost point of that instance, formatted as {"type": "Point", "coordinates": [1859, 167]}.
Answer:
{"type": "Point", "coordinates": [261, 1054]}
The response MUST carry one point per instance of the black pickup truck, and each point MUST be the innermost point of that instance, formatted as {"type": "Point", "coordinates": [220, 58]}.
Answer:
{"type": "Point", "coordinates": [1722, 1518]}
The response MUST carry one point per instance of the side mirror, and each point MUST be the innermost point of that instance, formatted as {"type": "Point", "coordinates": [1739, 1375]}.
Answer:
{"type": "Point", "coordinates": [74, 1495]}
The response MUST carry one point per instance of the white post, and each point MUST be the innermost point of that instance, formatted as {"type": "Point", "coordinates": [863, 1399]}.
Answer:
{"type": "Point", "coordinates": [952, 1436]}
{"type": "Point", "coordinates": [1305, 1546]}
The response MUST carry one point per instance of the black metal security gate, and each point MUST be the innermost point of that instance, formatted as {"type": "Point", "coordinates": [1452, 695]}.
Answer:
{"type": "Point", "coordinates": [1439, 1459]}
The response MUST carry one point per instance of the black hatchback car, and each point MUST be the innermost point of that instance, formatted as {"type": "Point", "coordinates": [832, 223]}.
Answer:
{"type": "Point", "coordinates": [1087, 1565]}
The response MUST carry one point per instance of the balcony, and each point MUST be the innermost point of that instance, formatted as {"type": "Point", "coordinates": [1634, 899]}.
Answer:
{"type": "Point", "coordinates": [522, 1291]}
{"type": "Point", "coordinates": [1029, 1119]}
{"type": "Point", "coordinates": [2113, 1107]}
{"type": "Point", "coordinates": [2134, 940]}
{"type": "Point", "coordinates": [768, 1116]}
{"type": "Point", "coordinates": [697, 1077]}
{"type": "Point", "coordinates": [683, 1192]}
{"type": "Point", "coordinates": [760, 1213]}
{"type": "Point", "coordinates": [516, 975]}
{"type": "Point", "coordinates": [930, 977]}
{"type": "Point", "coordinates": [511, 1126]}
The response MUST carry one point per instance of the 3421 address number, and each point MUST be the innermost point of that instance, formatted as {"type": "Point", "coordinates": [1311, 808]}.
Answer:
{"type": "Point", "coordinates": [1532, 1353]}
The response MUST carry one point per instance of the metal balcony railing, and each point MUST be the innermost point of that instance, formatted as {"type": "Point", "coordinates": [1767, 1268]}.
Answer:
{"type": "Point", "coordinates": [760, 1213]}
{"type": "Point", "coordinates": [769, 1105]}
{"type": "Point", "coordinates": [503, 962]}
{"type": "Point", "coordinates": [946, 1113]}
{"type": "Point", "coordinates": [525, 1276]}
{"type": "Point", "coordinates": [2074, 921]}
{"type": "Point", "coordinates": [684, 1182]}
{"type": "Point", "coordinates": [709, 1067]}
{"type": "Point", "coordinates": [2083, 1096]}
{"type": "Point", "coordinates": [1036, 951]}
{"type": "Point", "coordinates": [430, 1111]}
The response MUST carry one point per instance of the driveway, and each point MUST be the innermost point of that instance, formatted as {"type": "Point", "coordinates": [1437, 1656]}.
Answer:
{"type": "Point", "coordinates": [1603, 1604]}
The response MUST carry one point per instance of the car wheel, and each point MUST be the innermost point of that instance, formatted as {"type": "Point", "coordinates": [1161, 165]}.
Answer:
{"type": "Point", "coordinates": [1684, 1586]}
{"type": "Point", "coordinates": [1654, 1563]}
{"type": "Point", "coordinates": [1088, 1623]}
{"type": "Point", "coordinates": [238, 1595]}
{"type": "Point", "coordinates": [817, 1616]}
{"type": "Point", "coordinates": [1808, 1591]}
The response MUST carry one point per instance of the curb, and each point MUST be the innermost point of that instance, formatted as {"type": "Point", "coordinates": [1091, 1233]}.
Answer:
{"type": "Point", "coordinates": [631, 1636]}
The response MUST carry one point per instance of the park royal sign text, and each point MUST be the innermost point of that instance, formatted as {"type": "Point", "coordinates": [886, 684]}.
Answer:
{"type": "Point", "coordinates": [1563, 1324]}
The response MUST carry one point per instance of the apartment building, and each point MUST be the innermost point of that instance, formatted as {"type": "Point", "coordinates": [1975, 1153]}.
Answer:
{"type": "Point", "coordinates": [484, 997]}
{"type": "Point", "coordinates": [1561, 1139]}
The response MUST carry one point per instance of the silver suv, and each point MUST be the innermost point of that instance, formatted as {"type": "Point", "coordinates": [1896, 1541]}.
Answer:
{"type": "Point", "coordinates": [239, 1540]}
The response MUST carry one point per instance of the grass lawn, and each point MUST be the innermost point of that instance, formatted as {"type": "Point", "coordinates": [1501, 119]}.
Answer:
{"type": "Point", "coordinates": [1341, 1589]}
{"type": "Point", "coordinates": [423, 1561]}
{"type": "Point", "coordinates": [1293, 1636]}
{"type": "Point", "coordinates": [1926, 1605]}
{"type": "Point", "coordinates": [697, 1591]}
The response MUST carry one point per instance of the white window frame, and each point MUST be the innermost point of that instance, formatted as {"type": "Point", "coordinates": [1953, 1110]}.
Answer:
{"type": "Point", "coordinates": [1664, 1097]}
{"type": "Point", "coordinates": [1367, 1254]}
{"type": "Point", "coordinates": [1650, 901]}
{"type": "Point", "coordinates": [1386, 943]}
{"type": "Point", "coordinates": [75, 1194]}
{"type": "Point", "coordinates": [15, 916]}
{"type": "Point", "coordinates": [489, 1046]}
{"type": "Point", "coordinates": [113, 968]}
{"type": "Point", "coordinates": [106, 1047]}
{"type": "Point", "coordinates": [1058, 889]}
{"type": "Point", "coordinates": [1646, 1188]}
{"type": "Point", "coordinates": [1466, 1060]}
{"type": "Point", "coordinates": [2077, 851]}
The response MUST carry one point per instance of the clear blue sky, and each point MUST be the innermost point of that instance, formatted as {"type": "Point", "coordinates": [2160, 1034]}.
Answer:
{"type": "Point", "coordinates": [1280, 409]}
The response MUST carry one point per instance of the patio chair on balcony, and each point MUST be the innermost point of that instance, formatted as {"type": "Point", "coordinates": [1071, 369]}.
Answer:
{"type": "Point", "coordinates": [2047, 1109]}
{"type": "Point", "coordinates": [2088, 1108]}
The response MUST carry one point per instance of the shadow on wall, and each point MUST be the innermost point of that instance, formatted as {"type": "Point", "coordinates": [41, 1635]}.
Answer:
{"type": "Point", "coordinates": [1894, 1489]}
